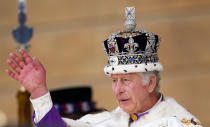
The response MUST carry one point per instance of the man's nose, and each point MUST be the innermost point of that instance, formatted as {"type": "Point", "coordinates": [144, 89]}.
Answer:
{"type": "Point", "coordinates": [119, 88]}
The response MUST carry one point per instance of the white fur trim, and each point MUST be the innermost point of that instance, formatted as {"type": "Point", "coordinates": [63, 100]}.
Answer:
{"type": "Point", "coordinates": [132, 68]}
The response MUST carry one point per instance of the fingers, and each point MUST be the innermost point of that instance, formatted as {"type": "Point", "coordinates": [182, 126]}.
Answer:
{"type": "Point", "coordinates": [37, 64]}
{"type": "Point", "coordinates": [12, 74]}
{"type": "Point", "coordinates": [17, 64]}
{"type": "Point", "coordinates": [14, 66]}
{"type": "Point", "coordinates": [17, 60]}
{"type": "Point", "coordinates": [25, 55]}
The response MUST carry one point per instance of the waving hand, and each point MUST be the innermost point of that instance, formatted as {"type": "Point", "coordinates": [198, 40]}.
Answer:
{"type": "Point", "coordinates": [29, 72]}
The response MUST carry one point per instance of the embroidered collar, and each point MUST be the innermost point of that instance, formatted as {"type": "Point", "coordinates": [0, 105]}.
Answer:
{"type": "Point", "coordinates": [135, 117]}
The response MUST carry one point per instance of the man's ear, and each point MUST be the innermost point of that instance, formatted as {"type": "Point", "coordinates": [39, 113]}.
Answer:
{"type": "Point", "coordinates": [152, 84]}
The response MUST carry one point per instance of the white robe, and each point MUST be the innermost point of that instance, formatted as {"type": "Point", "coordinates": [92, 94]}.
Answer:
{"type": "Point", "coordinates": [166, 114]}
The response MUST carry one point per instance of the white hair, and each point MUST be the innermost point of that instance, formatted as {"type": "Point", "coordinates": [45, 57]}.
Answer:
{"type": "Point", "coordinates": [146, 78]}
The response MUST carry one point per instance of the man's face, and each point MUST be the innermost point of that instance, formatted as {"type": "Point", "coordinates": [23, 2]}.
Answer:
{"type": "Point", "coordinates": [130, 92]}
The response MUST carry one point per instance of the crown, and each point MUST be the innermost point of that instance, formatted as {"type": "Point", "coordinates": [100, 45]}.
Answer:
{"type": "Point", "coordinates": [132, 50]}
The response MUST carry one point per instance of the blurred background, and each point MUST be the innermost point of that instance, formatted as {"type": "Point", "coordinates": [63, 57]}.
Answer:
{"type": "Point", "coordinates": [67, 40]}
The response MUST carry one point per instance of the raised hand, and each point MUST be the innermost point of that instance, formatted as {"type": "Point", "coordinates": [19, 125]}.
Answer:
{"type": "Point", "coordinates": [29, 72]}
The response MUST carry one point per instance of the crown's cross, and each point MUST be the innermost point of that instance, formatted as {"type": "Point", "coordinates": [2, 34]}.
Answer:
{"type": "Point", "coordinates": [131, 46]}
{"type": "Point", "coordinates": [130, 23]}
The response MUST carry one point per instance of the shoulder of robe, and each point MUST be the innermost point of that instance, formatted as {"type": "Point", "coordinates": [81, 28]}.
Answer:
{"type": "Point", "coordinates": [172, 108]}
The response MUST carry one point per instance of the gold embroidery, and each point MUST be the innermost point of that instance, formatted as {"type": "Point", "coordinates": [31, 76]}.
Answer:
{"type": "Point", "coordinates": [184, 121]}
{"type": "Point", "coordinates": [188, 122]}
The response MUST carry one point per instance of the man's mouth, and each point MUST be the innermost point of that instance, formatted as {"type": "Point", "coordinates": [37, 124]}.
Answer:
{"type": "Point", "coordinates": [124, 100]}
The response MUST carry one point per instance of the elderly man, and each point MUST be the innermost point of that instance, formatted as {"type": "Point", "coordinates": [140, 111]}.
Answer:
{"type": "Point", "coordinates": [134, 71]}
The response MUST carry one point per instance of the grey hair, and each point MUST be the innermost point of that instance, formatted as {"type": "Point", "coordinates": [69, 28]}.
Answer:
{"type": "Point", "coordinates": [146, 79]}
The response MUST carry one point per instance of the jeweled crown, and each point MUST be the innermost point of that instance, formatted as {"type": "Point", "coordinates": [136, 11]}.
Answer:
{"type": "Point", "coordinates": [130, 46]}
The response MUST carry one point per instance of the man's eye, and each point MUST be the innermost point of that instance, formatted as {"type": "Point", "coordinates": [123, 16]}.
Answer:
{"type": "Point", "coordinates": [125, 79]}
{"type": "Point", "coordinates": [114, 80]}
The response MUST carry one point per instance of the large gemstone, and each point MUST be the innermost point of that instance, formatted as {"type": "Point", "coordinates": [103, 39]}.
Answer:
{"type": "Point", "coordinates": [132, 59]}
{"type": "Point", "coordinates": [139, 59]}
{"type": "Point", "coordinates": [124, 60]}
